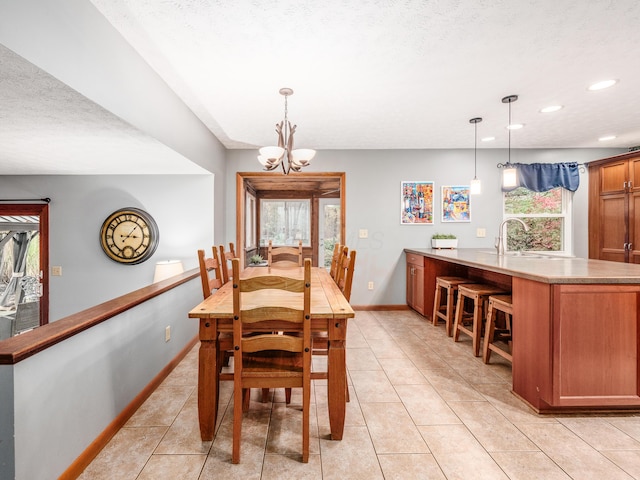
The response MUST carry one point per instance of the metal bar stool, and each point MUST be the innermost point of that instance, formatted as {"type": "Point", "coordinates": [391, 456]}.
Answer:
{"type": "Point", "coordinates": [478, 293]}
{"type": "Point", "coordinates": [445, 310]}
{"type": "Point", "coordinates": [497, 303]}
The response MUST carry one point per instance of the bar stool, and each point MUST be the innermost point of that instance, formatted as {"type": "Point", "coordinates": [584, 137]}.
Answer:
{"type": "Point", "coordinates": [479, 294]}
{"type": "Point", "coordinates": [497, 303]}
{"type": "Point", "coordinates": [445, 310]}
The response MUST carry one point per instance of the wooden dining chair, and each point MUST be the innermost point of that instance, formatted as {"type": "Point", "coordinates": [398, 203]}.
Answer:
{"type": "Point", "coordinates": [210, 272]}
{"type": "Point", "coordinates": [333, 269]}
{"type": "Point", "coordinates": [271, 360]}
{"type": "Point", "coordinates": [212, 279]}
{"type": "Point", "coordinates": [340, 263]}
{"type": "Point", "coordinates": [284, 257]}
{"type": "Point", "coordinates": [225, 260]}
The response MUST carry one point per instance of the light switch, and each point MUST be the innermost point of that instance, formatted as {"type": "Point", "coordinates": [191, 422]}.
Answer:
{"type": "Point", "coordinates": [481, 232]}
{"type": "Point", "coordinates": [56, 271]}
{"type": "Point", "coordinates": [364, 233]}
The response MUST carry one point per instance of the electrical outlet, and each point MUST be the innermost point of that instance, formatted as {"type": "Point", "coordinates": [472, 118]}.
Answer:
{"type": "Point", "coordinates": [363, 233]}
{"type": "Point", "coordinates": [370, 286]}
{"type": "Point", "coordinates": [167, 333]}
{"type": "Point", "coordinates": [56, 271]}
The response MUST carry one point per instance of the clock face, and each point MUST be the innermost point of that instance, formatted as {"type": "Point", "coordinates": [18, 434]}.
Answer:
{"type": "Point", "coordinates": [129, 236]}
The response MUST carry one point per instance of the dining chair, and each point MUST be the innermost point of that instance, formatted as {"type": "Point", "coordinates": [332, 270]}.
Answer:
{"type": "Point", "coordinates": [210, 272]}
{"type": "Point", "coordinates": [333, 268]}
{"type": "Point", "coordinates": [225, 260]}
{"type": "Point", "coordinates": [271, 360]}
{"type": "Point", "coordinates": [212, 279]}
{"type": "Point", "coordinates": [286, 255]}
{"type": "Point", "coordinates": [340, 263]}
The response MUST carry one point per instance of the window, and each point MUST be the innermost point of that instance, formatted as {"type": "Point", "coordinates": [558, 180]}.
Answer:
{"type": "Point", "coordinates": [250, 221]}
{"type": "Point", "coordinates": [548, 216]}
{"type": "Point", "coordinates": [285, 222]}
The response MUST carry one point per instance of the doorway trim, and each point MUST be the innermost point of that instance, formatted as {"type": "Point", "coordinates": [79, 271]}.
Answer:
{"type": "Point", "coordinates": [280, 183]}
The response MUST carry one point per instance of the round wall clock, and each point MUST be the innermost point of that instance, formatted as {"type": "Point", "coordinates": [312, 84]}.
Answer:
{"type": "Point", "coordinates": [129, 236]}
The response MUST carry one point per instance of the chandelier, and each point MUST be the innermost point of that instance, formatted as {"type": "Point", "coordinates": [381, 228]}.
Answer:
{"type": "Point", "coordinates": [284, 154]}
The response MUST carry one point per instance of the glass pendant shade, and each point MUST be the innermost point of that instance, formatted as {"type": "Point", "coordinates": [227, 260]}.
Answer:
{"type": "Point", "coordinates": [475, 187]}
{"type": "Point", "coordinates": [302, 156]}
{"type": "Point", "coordinates": [274, 153]}
{"type": "Point", "coordinates": [509, 177]}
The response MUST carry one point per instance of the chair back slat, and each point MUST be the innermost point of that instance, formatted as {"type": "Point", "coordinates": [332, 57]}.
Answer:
{"type": "Point", "coordinates": [210, 272]}
{"type": "Point", "coordinates": [284, 257]}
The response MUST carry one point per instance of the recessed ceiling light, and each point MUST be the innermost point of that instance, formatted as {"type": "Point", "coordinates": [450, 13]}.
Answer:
{"type": "Point", "coordinates": [551, 108]}
{"type": "Point", "coordinates": [606, 138]}
{"type": "Point", "coordinates": [602, 84]}
{"type": "Point", "coordinates": [487, 139]}
{"type": "Point", "coordinates": [515, 126]}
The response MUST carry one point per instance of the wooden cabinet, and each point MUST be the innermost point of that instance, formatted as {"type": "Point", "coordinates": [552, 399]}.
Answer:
{"type": "Point", "coordinates": [576, 346]}
{"type": "Point", "coordinates": [614, 208]}
{"type": "Point", "coordinates": [415, 282]}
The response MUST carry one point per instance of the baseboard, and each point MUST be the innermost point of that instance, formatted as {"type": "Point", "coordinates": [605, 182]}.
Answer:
{"type": "Point", "coordinates": [380, 307]}
{"type": "Point", "coordinates": [77, 467]}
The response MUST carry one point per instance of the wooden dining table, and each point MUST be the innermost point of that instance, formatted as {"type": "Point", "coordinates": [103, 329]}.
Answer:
{"type": "Point", "coordinates": [330, 312]}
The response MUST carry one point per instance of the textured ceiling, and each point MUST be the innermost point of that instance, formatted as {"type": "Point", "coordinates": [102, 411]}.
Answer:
{"type": "Point", "coordinates": [48, 128]}
{"type": "Point", "coordinates": [396, 74]}
{"type": "Point", "coordinates": [366, 74]}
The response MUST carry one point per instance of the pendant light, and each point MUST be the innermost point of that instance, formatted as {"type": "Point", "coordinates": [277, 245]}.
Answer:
{"type": "Point", "coordinates": [475, 185]}
{"type": "Point", "coordinates": [509, 173]}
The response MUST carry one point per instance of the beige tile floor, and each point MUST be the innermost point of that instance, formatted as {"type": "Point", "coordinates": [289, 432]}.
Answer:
{"type": "Point", "coordinates": [421, 407]}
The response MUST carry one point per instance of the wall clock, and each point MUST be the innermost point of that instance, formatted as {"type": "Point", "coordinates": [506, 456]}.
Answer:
{"type": "Point", "coordinates": [129, 236]}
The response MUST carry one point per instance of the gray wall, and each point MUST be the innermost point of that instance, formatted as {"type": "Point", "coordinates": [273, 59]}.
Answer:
{"type": "Point", "coordinates": [182, 205]}
{"type": "Point", "coordinates": [373, 201]}
{"type": "Point", "coordinates": [55, 403]}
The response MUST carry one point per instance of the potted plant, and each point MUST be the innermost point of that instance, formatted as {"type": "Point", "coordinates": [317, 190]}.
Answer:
{"type": "Point", "coordinates": [256, 260]}
{"type": "Point", "coordinates": [444, 240]}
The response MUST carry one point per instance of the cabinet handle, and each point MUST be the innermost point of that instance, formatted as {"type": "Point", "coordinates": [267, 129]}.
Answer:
{"type": "Point", "coordinates": [629, 183]}
{"type": "Point", "coordinates": [624, 185]}
{"type": "Point", "coordinates": [629, 246]}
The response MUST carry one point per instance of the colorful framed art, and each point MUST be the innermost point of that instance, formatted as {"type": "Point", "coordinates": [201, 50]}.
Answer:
{"type": "Point", "coordinates": [417, 203]}
{"type": "Point", "coordinates": [455, 204]}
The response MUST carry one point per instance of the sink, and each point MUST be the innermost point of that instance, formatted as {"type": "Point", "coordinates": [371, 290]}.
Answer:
{"type": "Point", "coordinates": [524, 255]}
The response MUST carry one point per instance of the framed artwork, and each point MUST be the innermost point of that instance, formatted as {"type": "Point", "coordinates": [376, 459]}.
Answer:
{"type": "Point", "coordinates": [455, 204]}
{"type": "Point", "coordinates": [417, 203]}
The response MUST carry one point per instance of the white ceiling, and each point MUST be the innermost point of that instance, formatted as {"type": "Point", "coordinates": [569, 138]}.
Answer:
{"type": "Point", "coordinates": [377, 74]}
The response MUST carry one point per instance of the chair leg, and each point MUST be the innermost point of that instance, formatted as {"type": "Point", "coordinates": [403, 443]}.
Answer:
{"type": "Point", "coordinates": [436, 304]}
{"type": "Point", "coordinates": [287, 395]}
{"type": "Point", "coordinates": [488, 335]}
{"type": "Point", "coordinates": [478, 311]}
{"type": "Point", "coordinates": [459, 314]}
{"type": "Point", "coordinates": [265, 395]}
{"type": "Point", "coordinates": [306, 403]}
{"type": "Point", "coordinates": [246, 399]}
{"type": "Point", "coordinates": [238, 410]}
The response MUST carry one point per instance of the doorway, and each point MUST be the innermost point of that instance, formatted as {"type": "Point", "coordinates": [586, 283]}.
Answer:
{"type": "Point", "coordinates": [329, 231]}
{"type": "Point", "coordinates": [320, 188]}
{"type": "Point", "coordinates": [24, 289]}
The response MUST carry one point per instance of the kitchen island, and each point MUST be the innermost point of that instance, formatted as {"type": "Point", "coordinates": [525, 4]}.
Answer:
{"type": "Point", "coordinates": [575, 324]}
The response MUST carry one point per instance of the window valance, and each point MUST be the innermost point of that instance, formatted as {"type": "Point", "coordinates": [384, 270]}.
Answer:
{"type": "Point", "coordinates": [540, 177]}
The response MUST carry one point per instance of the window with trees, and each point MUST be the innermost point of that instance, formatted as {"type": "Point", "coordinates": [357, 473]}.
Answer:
{"type": "Point", "coordinates": [548, 216]}
{"type": "Point", "coordinates": [284, 222]}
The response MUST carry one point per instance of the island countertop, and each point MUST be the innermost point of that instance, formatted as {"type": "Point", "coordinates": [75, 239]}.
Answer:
{"type": "Point", "coordinates": [538, 267]}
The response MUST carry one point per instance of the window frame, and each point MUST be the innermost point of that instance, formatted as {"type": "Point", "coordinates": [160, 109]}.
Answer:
{"type": "Point", "coordinates": [567, 222]}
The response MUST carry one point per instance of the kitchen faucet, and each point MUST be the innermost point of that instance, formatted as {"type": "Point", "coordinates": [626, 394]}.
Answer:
{"type": "Point", "coordinates": [500, 241]}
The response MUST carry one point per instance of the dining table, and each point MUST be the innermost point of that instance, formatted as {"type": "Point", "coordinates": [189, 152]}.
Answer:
{"type": "Point", "coordinates": [330, 312]}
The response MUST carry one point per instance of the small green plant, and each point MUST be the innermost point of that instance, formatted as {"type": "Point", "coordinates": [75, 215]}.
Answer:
{"type": "Point", "coordinates": [440, 236]}
{"type": "Point", "coordinates": [254, 259]}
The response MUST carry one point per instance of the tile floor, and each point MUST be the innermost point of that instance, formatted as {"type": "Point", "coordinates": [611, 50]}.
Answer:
{"type": "Point", "coordinates": [421, 407]}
